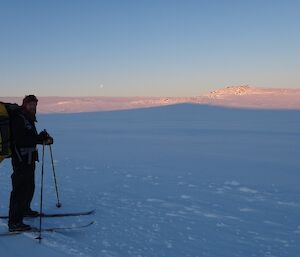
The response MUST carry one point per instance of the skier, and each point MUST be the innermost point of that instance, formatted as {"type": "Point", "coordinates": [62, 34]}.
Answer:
{"type": "Point", "coordinates": [24, 155]}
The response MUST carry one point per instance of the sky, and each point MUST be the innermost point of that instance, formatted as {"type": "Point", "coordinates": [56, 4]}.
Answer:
{"type": "Point", "coordinates": [146, 47]}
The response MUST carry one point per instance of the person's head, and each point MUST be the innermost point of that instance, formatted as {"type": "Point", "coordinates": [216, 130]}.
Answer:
{"type": "Point", "coordinates": [29, 105]}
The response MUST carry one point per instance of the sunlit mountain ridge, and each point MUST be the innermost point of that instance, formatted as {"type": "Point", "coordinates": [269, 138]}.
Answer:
{"type": "Point", "coordinates": [242, 96]}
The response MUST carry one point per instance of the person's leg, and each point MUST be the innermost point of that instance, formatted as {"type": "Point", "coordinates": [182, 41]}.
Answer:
{"type": "Point", "coordinates": [15, 205]}
{"type": "Point", "coordinates": [19, 191]}
{"type": "Point", "coordinates": [30, 186]}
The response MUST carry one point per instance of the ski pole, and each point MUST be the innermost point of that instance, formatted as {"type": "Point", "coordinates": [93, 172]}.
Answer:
{"type": "Point", "coordinates": [58, 205]}
{"type": "Point", "coordinates": [41, 199]}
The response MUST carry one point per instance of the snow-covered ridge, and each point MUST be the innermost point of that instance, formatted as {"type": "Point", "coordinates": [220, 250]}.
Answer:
{"type": "Point", "coordinates": [250, 90]}
{"type": "Point", "coordinates": [242, 96]}
{"type": "Point", "coordinates": [255, 97]}
{"type": "Point", "coordinates": [234, 90]}
{"type": "Point", "coordinates": [90, 104]}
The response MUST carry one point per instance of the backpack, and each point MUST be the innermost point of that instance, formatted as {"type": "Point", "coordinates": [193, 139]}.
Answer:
{"type": "Point", "coordinates": [7, 111]}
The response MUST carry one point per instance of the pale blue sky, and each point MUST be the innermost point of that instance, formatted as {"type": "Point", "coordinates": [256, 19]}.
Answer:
{"type": "Point", "coordinates": [146, 47]}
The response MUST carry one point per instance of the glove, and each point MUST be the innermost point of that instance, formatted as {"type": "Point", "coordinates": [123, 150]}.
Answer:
{"type": "Point", "coordinates": [45, 138]}
{"type": "Point", "coordinates": [49, 141]}
{"type": "Point", "coordinates": [44, 135]}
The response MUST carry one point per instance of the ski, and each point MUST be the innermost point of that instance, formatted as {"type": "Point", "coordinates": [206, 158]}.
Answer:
{"type": "Point", "coordinates": [56, 215]}
{"type": "Point", "coordinates": [49, 229]}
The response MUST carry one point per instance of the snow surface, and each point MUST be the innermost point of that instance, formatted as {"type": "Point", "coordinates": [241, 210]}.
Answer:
{"type": "Point", "coordinates": [175, 181]}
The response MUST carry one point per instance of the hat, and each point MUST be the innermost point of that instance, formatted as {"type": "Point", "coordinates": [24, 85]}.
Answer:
{"type": "Point", "coordinates": [29, 98]}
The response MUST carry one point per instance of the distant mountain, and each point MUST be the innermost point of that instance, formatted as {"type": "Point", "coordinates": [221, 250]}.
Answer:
{"type": "Point", "coordinates": [255, 97]}
{"type": "Point", "coordinates": [235, 90]}
{"type": "Point", "coordinates": [243, 96]}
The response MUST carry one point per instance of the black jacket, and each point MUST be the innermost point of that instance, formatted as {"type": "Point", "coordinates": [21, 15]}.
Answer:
{"type": "Point", "coordinates": [24, 136]}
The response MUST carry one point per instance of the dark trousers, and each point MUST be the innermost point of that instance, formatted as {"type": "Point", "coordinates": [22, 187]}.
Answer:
{"type": "Point", "coordinates": [22, 189]}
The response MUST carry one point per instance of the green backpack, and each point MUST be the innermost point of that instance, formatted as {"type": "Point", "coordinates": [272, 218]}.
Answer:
{"type": "Point", "coordinates": [7, 110]}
